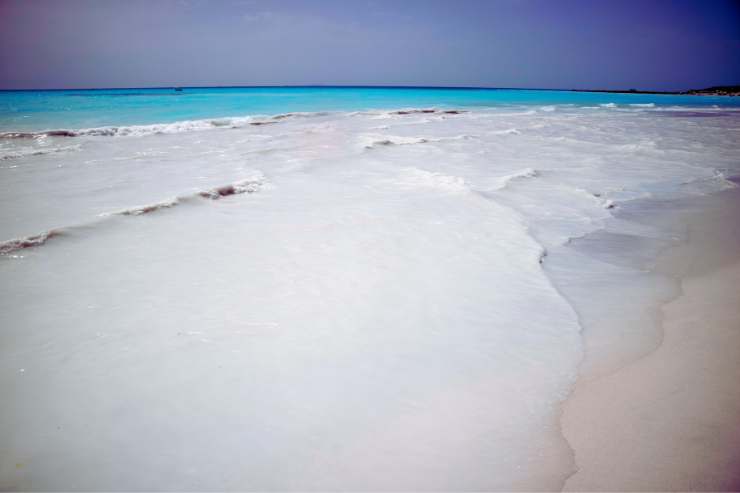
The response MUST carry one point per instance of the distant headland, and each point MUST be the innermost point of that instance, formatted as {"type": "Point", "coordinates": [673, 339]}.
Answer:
{"type": "Point", "coordinates": [717, 91]}
{"type": "Point", "coordinates": [709, 91]}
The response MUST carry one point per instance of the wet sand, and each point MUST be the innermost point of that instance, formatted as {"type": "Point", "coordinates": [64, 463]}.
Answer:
{"type": "Point", "coordinates": [670, 421]}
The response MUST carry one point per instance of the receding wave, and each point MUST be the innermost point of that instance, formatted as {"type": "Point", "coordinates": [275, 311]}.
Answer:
{"type": "Point", "coordinates": [245, 186]}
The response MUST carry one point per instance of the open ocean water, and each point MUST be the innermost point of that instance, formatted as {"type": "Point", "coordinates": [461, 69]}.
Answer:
{"type": "Point", "coordinates": [327, 288]}
{"type": "Point", "coordinates": [60, 109]}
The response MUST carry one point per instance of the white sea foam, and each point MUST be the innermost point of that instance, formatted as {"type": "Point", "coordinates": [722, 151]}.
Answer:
{"type": "Point", "coordinates": [35, 150]}
{"type": "Point", "coordinates": [411, 178]}
{"type": "Point", "coordinates": [524, 173]}
{"type": "Point", "coordinates": [374, 319]}
{"type": "Point", "coordinates": [508, 131]}
{"type": "Point", "coordinates": [371, 141]}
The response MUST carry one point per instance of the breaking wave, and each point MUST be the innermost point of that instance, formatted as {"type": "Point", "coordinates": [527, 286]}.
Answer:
{"type": "Point", "coordinates": [140, 130]}
{"type": "Point", "coordinates": [21, 153]}
{"type": "Point", "coordinates": [192, 125]}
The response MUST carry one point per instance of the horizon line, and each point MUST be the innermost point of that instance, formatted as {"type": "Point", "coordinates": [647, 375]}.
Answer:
{"type": "Point", "coordinates": [348, 86]}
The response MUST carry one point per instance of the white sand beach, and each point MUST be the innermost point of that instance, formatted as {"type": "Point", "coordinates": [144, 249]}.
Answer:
{"type": "Point", "coordinates": [669, 420]}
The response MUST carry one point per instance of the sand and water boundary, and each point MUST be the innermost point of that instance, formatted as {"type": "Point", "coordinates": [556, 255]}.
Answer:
{"type": "Point", "coordinates": [670, 420]}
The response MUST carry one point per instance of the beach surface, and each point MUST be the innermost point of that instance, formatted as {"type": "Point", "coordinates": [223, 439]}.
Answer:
{"type": "Point", "coordinates": [669, 420]}
{"type": "Point", "coordinates": [398, 298]}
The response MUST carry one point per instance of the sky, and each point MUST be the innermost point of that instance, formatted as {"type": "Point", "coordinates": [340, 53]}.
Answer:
{"type": "Point", "coordinates": [582, 44]}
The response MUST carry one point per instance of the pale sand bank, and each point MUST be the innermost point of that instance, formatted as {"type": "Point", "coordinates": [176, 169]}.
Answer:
{"type": "Point", "coordinates": [670, 421]}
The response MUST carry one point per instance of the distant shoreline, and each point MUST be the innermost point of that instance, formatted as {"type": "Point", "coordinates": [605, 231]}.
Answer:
{"type": "Point", "coordinates": [709, 91]}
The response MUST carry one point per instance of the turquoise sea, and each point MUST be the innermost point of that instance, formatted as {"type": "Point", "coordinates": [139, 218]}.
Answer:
{"type": "Point", "coordinates": [72, 109]}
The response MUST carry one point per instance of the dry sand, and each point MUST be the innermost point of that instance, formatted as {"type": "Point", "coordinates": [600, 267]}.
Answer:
{"type": "Point", "coordinates": [670, 421]}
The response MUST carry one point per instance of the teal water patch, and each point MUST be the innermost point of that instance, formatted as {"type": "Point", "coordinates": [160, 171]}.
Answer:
{"type": "Point", "coordinates": [73, 109]}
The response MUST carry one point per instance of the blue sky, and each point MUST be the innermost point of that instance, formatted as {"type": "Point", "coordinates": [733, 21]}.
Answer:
{"type": "Point", "coordinates": [664, 45]}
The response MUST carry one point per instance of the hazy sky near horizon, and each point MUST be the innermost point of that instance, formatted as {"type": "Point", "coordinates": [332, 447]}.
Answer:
{"type": "Point", "coordinates": [650, 44]}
